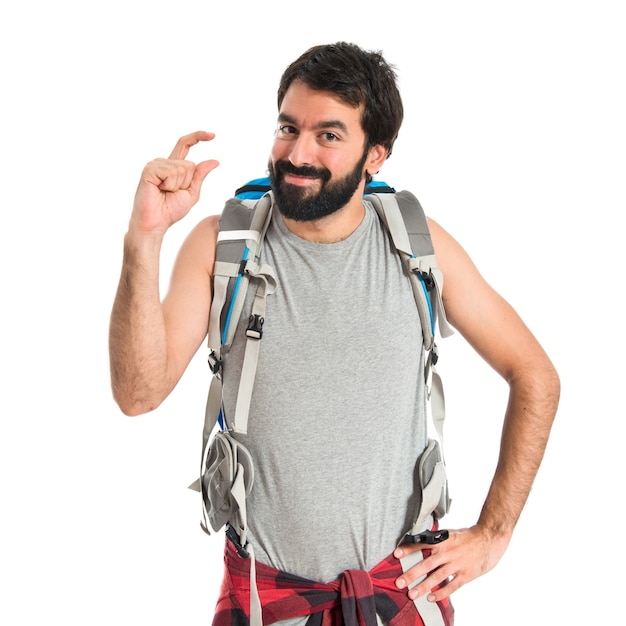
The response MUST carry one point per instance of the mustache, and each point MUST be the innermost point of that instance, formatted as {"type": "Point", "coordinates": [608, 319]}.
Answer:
{"type": "Point", "coordinates": [286, 167]}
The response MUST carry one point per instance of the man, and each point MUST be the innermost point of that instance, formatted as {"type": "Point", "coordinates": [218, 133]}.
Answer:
{"type": "Point", "coordinates": [334, 441]}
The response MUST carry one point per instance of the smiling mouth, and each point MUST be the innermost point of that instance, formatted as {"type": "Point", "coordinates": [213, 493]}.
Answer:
{"type": "Point", "coordinates": [297, 179]}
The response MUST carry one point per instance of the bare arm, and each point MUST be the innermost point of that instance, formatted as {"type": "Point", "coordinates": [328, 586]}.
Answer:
{"type": "Point", "coordinates": [498, 334]}
{"type": "Point", "coordinates": [151, 342]}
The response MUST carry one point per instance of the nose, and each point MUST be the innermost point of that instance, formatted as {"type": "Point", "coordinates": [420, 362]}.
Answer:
{"type": "Point", "coordinates": [302, 151]}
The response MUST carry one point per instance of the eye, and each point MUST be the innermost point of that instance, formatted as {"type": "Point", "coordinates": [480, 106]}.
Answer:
{"type": "Point", "coordinates": [330, 137]}
{"type": "Point", "coordinates": [286, 129]}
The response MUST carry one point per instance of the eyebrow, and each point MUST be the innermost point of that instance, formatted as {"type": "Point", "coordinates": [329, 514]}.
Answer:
{"type": "Point", "coordinates": [285, 117]}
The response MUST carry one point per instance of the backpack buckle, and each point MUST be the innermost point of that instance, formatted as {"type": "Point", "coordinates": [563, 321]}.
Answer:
{"type": "Point", "coordinates": [255, 326]}
{"type": "Point", "coordinates": [428, 279]}
{"type": "Point", "coordinates": [232, 535]}
{"type": "Point", "coordinates": [434, 355]}
{"type": "Point", "coordinates": [430, 537]}
{"type": "Point", "coordinates": [215, 364]}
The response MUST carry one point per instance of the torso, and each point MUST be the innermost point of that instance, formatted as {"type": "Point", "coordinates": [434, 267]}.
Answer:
{"type": "Point", "coordinates": [337, 419]}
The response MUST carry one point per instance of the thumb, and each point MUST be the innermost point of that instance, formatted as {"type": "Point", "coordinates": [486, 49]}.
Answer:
{"type": "Point", "coordinates": [202, 170]}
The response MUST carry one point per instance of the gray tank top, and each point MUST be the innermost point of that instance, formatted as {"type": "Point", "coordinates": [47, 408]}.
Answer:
{"type": "Point", "coordinates": [337, 419]}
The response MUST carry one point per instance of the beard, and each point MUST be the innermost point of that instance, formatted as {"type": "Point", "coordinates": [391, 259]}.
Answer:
{"type": "Point", "coordinates": [304, 205]}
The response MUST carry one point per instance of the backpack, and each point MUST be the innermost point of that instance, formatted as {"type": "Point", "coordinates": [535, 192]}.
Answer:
{"type": "Point", "coordinates": [227, 469]}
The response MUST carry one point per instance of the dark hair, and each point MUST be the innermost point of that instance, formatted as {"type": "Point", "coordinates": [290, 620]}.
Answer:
{"type": "Point", "coordinates": [357, 77]}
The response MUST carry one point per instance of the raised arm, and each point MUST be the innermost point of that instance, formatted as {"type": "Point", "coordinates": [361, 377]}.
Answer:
{"type": "Point", "coordinates": [497, 333]}
{"type": "Point", "coordinates": [151, 342]}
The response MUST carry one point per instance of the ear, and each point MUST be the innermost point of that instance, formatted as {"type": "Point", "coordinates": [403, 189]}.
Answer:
{"type": "Point", "coordinates": [377, 156]}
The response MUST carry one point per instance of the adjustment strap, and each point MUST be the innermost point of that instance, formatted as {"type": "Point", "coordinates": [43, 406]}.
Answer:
{"type": "Point", "coordinates": [430, 498]}
{"type": "Point", "coordinates": [256, 613]}
{"type": "Point", "coordinates": [236, 235]}
{"type": "Point", "coordinates": [222, 273]}
{"type": "Point", "coordinates": [429, 611]}
{"type": "Point", "coordinates": [390, 212]}
{"type": "Point", "coordinates": [211, 414]}
{"type": "Point", "coordinates": [267, 286]}
{"type": "Point", "coordinates": [437, 403]}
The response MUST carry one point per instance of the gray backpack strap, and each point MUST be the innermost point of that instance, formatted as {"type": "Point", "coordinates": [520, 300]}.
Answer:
{"type": "Point", "coordinates": [408, 228]}
{"type": "Point", "coordinates": [254, 333]}
{"type": "Point", "coordinates": [406, 222]}
{"type": "Point", "coordinates": [407, 225]}
{"type": "Point", "coordinates": [226, 469]}
{"type": "Point", "coordinates": [242, 228]}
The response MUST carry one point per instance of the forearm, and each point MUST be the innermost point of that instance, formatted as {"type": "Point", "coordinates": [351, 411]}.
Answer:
{"type": "Point", "coordinates": [530, 412]}
{"type": "Point", "coordinates": [137, 337]}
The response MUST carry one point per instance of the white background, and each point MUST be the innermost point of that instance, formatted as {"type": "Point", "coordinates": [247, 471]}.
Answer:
{"type": "Point", "coordinates": [513, 139]}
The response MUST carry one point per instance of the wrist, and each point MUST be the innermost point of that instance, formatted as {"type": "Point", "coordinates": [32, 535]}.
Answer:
{"type": "Point", "coordinates": [495, 528]}
{"type": "Point", "coordinates": [143, 243]}
{"type": "Point", "coordinates": [142, 253]}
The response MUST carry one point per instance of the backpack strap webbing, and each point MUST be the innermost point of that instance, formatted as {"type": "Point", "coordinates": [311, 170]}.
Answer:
{"type": "Point", "coordinates": [408, 229]}
{"type": "Point", "coordinates": [242, 229]}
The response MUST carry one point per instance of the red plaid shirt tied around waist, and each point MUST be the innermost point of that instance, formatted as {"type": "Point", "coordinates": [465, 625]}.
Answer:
{"type": "Point", "coordinates": [353, 599]}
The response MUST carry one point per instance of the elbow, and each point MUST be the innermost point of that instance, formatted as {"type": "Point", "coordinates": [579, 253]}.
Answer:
{"type": "Point", "coordinates": [554, 386]}
{"type": "Point", "coordinates": [133, 405]}
{"type": "Point", "coordinates": [535, 380]}
{"type": "Point", "coordinates": [136, 394]}
{"type": "Point", "coordinates": [540, 386]}
{"type": "Point", "coordinates": [133, 409]}
{"type": "Point", "coordinates": [550, 381]}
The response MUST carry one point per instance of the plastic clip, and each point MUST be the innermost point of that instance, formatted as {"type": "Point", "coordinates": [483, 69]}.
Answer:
{"type": "Point", "coordinates": [429, 537]}
{"type": "Point", "coordinates": [434, 355]}
{"type": "Point", "coordinates": [234, 538]}
{"type": "Point", "coordinates": [428, 279]}
{"type": "Point", "coordinates": [255, 326]}
{"type": "Point", "coordinates": [215, 364]}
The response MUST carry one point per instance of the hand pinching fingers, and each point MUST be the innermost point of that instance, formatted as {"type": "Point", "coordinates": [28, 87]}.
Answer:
{"type": "Point", "coordinates": [181, 149]}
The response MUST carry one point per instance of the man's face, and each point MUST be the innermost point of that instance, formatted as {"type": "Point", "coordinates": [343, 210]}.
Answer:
{"type": "Point", "coordinates": [318, 158]}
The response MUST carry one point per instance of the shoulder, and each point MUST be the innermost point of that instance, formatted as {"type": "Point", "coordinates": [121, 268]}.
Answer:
{"type": "Point", "coordinates": [451, 256]}
{"type": "Point", "coordinates": [206, 228]}
{"type": "Point", "coordinates": [464, 287]}
{"type": "Point", "coordinates": [467, 297]}
{"type": "Point", "coordinates": [200, 244]}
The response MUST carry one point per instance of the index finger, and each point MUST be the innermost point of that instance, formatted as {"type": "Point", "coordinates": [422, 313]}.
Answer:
{"type": "Point", "coordinates": [181, 149]}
